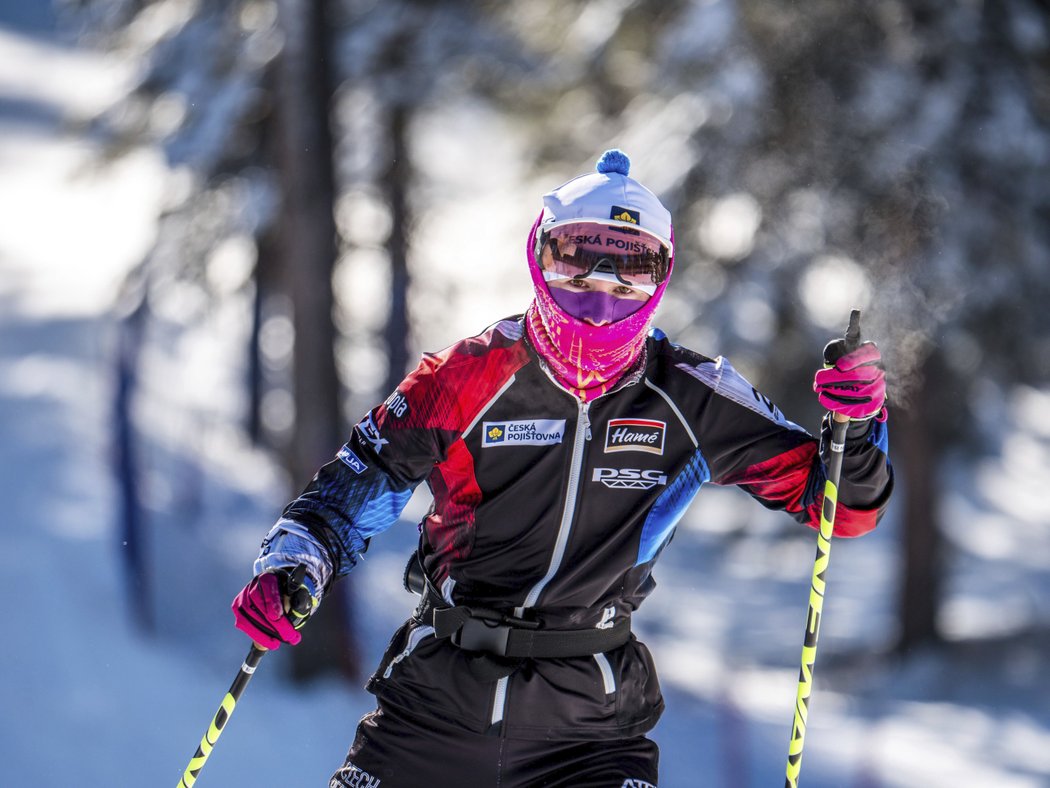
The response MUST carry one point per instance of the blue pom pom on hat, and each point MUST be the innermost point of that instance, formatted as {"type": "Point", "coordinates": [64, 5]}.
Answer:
{"type": "Point", "coordinates": [614, 160]}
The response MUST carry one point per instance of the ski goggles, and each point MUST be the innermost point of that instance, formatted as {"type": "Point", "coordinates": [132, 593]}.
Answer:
{"type": "Point", "coordinates": [579, 249]}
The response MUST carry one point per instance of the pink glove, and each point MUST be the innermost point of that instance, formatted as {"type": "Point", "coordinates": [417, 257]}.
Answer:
{"type": "Point", "coordinates": [258, 611]}
{"type": "Point", "coordinates": [855, 386]}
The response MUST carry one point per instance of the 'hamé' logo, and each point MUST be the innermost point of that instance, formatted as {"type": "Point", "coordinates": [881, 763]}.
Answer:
{"type": "Point", "coordinates": [625, 215]}
{"type": "Point", "coordinates": [645, 435]}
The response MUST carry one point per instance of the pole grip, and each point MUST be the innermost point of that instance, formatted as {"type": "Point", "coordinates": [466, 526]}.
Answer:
{"type": "Point", "coordinates": [853, 331]}
{"type": "Point", "coordinates": [837, 348]}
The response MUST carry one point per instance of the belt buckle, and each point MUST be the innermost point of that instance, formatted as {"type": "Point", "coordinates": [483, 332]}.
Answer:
{"type": "Point", "coordinates": [479, 634]}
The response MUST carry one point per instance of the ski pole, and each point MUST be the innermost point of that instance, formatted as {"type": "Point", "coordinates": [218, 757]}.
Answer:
{"type": "Point", "coordinates": [225, 711]}
{"type": "Point", "coordinates": [218, 722]}
{"type": "Point", "coordinates": [820, 566]}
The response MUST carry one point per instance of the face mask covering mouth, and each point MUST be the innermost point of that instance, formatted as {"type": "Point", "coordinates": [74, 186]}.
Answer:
{"type": "Point", "coordinates": [595, 307]}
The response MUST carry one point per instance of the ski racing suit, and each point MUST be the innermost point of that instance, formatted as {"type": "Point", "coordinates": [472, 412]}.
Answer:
{"type": "Point", "coordinates": [548, 516]}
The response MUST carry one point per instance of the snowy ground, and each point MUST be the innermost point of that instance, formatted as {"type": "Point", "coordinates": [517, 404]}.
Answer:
{"type": "Point", "coordinates": [92, 702]}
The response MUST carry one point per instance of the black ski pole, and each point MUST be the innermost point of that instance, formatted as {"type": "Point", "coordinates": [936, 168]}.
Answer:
{"type": "Point", "coordinates": [820, 566]}
{"type": "Point", "coordinates": [225, 710]}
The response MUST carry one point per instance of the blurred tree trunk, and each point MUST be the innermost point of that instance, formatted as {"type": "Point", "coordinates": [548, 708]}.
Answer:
{"type": "Point", "coordinates": [127, 465]}
{"type": "Point", "coordinates": [397, 182]}
{"type": "Point", "coordinates": [267, 267]}
{"type": "Point", "coordinates": [308, 237]}
{"type": "Point", "coordinates": [915, 442]}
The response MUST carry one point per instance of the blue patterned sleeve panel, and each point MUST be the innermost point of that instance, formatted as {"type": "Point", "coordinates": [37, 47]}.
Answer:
{"type": "Point", "coordinates": [349, 500]}
{"type": "Point", "coordinates": [346, 504]}
{"type": "Point", "coordinates": [670, 506]}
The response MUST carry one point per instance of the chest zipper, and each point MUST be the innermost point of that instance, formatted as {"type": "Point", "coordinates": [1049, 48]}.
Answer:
{"type": "Point", "coordinates": [582, 435]}
{"type": "Point", "coordinates": [580, 438]}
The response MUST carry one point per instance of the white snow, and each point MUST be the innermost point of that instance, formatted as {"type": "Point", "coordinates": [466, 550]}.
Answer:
{"type": "Point", "coordinates": [88, 700]}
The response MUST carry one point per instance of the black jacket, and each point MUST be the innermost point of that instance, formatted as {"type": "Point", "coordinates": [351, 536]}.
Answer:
{"type": "Point", "coordinates": [556, 511]}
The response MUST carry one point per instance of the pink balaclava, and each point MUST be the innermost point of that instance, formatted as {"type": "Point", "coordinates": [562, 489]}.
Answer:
{"type": "Point", "coordinates": [585, 359]}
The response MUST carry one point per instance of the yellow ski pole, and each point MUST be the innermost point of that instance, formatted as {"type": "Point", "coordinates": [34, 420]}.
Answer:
{"type": "Point", "coordinates": [817, 585]}
{"type": "Point", "coordinates": [222, 716]}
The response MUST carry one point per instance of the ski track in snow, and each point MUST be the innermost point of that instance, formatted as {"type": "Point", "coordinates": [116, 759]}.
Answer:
{"type": "Point", "coordinates": [92, 701]}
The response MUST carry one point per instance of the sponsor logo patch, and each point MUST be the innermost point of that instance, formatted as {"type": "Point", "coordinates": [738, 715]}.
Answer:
{"type": "Point", "coordinates": [538, 432]}
{"type": "Point", "coordinates": [625, 215]}
{"type": "Point", "coordinates": [629, 478]}
{"type": "Point", "coordinates": [370, 431]}
{"type": "Point", "coordinates": [350, 459]}
{"type": "Point", "coordinates": [635, 435]}
{"type": "Point", "coordinates": [625, 245]}
{"type": "Point", "coordinates": [351, 776]}
{"type": "Point", "coordinates": [397, 405]}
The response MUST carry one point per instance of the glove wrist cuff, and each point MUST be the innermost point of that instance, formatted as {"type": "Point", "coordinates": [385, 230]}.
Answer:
{"type": "Point", "coordinates": [286, 546]}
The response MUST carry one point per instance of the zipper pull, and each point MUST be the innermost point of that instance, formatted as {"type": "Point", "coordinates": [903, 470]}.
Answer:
{"type": "Point", "coordinates": [584, 407]}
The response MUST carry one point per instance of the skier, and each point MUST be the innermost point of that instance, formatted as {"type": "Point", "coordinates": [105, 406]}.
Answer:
{"type": "Point", "coordinates": [561, 447]}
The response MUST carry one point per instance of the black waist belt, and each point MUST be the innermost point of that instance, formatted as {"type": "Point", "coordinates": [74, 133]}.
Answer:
{"type": "Point", "coordinates": [474, 629]}
{"type": "Point", "coordinates": [492, 632]}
